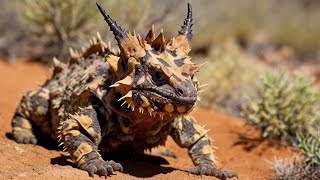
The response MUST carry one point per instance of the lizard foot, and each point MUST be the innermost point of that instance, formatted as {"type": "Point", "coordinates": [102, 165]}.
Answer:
{"type": "Point", "coordinates": [211, 170]}
{"type": "Point", "coordinates": [24, 136]}
{"type": "Point", "coordinates": [101, 167]}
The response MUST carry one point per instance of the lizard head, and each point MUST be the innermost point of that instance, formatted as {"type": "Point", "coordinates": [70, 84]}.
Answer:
{"type": "Point", "coordinates": [155, 74]}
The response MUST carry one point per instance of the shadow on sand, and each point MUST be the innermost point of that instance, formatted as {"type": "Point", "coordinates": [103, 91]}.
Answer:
{"type": "Point", "coordinates": [250, 143]}
{"type": "Point", "coordinates": [42, 140]}
{"type": "Point", "coordinates": [138, 165]}
{"type": "Point", "coordinates": [141, 165]}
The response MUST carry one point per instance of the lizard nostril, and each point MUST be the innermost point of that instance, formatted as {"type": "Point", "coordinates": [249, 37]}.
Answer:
{"type": "Point", "coordinates": [180, 92]}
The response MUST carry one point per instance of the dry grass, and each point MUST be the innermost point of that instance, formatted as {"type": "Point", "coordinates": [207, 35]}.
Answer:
{"type": "Point", "coordinates": [298, 167]}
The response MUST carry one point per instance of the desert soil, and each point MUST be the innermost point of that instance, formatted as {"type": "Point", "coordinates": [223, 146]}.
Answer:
{"type": "Point", "coordinates": [239, 148]}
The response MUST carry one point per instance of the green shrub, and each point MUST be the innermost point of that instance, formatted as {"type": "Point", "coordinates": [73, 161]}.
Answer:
{"type": "Point", "coordinates": [285, 106]}
{"type": "Point", "coordinates": [58, 18]}
{"type": "Point", "coordinates": [54, 25]}
{"type": "Point", "coordinates": [230, 75]}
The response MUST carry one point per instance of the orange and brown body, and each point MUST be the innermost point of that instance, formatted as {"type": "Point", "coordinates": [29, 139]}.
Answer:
{"type": "Point", "coordinates": [102, 101]}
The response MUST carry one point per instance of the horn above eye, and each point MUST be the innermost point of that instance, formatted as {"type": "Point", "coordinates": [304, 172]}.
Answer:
{"type": "Point", "coordinates": [116, 30]}
{"type": "Point", "coordinates": [128, 44]}
{"type": "Point", "coordinates": [187, 24]}
{"type": "Point", "coordinates": [182, 42]}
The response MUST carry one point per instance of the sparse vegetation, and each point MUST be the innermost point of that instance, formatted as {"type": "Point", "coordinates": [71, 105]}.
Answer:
{"type": "Point", "coordinates": [283, 107]}
{"type": "Point", "coordinates": [55, 25]}
{"type": "Point", "coordinates": [70, 23]}
{"type": "Point", "coordinates": [295, 169]}
{"type": "Point", "coordinates": [230, 75]}
{"type": "Point", "coordinates": [305, 167]}
{"type": "Point", "coordinates": [56, 20]}
{"type": "Point", "coordinates": [286, 106]}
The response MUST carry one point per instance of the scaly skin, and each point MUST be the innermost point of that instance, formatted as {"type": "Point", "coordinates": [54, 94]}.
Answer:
{"type": "Point", "coordinates": [102, 101]}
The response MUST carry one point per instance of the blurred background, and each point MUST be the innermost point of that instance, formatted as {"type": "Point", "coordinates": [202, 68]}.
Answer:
{"type": "Point", "coordinates": [238, 40]}
{"type": "Point", "coordinates": [262, 56]}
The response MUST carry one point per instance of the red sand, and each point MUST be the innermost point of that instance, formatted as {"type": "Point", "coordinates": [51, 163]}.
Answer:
{"type": "Point", "coordinates": [238, 147]}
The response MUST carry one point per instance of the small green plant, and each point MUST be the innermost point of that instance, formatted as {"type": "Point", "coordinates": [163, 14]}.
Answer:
{"type": "Point", "coordinates": [295, 169]}
{"type": "Point", "coordinates": [303, 167]}
{"type": "Point", "coordinates": [285, 106]}
{"type": "Point", "coordinates": [286, 169]}
{"type": "Point", "coordinates": [310, 147]}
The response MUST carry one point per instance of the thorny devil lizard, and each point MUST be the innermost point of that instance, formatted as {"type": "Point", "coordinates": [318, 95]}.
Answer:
{"type": "Point", "coordinates": [104, 101]}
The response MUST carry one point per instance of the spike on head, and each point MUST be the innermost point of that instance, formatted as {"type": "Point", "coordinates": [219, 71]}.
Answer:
{"type": "Point", "coordinates": [150, 36]}
{"type": "Point", "coordinates": [159, 43]}
{"type": "Point", "coordinates": [154, 75]}
{"type": "Point", "coordinates": [187, 25]}
{"type": "Point", "coordinates": [128, 44]}
{"type": "Point", "coordinates": [116, 30]}
{"type": "Point", "coordinates": [182, 42]}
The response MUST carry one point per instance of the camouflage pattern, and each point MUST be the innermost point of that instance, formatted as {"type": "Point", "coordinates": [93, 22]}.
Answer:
{"type": "Point", "coordinates": [103, 101]}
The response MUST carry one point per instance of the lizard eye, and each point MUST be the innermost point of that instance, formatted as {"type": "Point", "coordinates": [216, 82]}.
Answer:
{"type": "Point", "coordinates": [159, 76]}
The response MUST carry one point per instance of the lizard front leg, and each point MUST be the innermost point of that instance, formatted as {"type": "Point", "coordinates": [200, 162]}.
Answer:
{"type": "Point", "coordinates": [187, 133]}
{"type": "Point", "coordinates": [81, 135]}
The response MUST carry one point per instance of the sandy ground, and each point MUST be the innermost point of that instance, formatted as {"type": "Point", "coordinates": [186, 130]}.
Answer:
{"type": "Point", "coordinates": [238, 146]}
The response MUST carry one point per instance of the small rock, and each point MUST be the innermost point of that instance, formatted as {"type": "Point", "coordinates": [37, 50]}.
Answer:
{"type": "Point", "coordinates": [19, 149]}
{"type": "Point", "coordinates": [22, 175]}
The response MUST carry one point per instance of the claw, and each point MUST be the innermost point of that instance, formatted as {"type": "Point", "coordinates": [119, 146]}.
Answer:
{"type": "Point", "coordinates": [203, 171]}
{"type": "Point", "coordinates": [116, 166]}
{"type": "Point", "coordinates": [100, 167]}
{"type": "Point", "coordinates": [103, 172]}
{"type": "Point", "coordinates": [119, 167]}
{"type": "Point", "coordinates": [91, 170]}
{"type": "Point", "coordinates": [110, 170]}
{"type": "Point", "coordinates": [211, 170]}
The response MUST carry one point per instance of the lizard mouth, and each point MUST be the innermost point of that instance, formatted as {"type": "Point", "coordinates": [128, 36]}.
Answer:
{"type": "Point", "coordinates": [160, 102]}
{"type": "Point", "coordinates": [172, 96]}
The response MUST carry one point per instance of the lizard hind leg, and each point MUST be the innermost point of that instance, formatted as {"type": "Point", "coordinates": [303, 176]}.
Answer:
{"type": "Point", "coordinates": [22, 131]}
{"type": "Point", "coordinates": [31, 111]}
